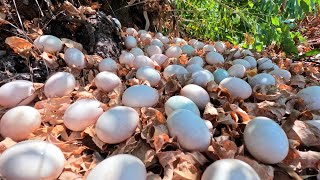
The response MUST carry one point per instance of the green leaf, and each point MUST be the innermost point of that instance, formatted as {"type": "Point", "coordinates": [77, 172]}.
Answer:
{"type": "Point", "coordinates": [275, 20]}
{"type": "Point", "coordinates": [250, 3]}
{"type": "Point", "coordinates": [310, 53]}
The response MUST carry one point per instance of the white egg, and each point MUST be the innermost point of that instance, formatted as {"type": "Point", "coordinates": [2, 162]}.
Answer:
{"type": "Point", "coordinates": [311, 97]}
{"type": "Point", "coordinates": [237, 70]}
{"type": "Point", "coordinates": [19, 122]}
{"type": "Point", "coordinates": [74, 58]}
{"type": "Point", "coordinates": [236, 87]}
{"type": "Point", "coordinates": [220, 74]}
{"type": "Point", "coordinates": [237, 53]}
{"type": "Point", "coordinates": [141, 31]}
{"type": "Point", "coordinates": [81, 114]}
{"type": "Point", "coordinates": [140, 96]}
{"type": "Point", "coordinates": [208, 48]}
{"type": "Point", "coordinates": [126, 58]}
{"type": "Point", "coordinates": [220, 46]}
{"type": "Point", "coordinates": [192, 41]}
{"type": "Point", "coordinates": [286, 75]}
{"type": "Point", "coordinates": [202, 78]}
{"type": "Point", "coordinates": [48, 43]}
{"type": "Point", "coordinates": [246, 52]}
{"type": "Point", "coordinates": [146, 38]}
{"type": "Point", "coordinates": [180, 102]}
{"type": "Point", "coordinates": [107, 81]}
{"type": "Point", "coordinates": [153, 49]}
{"type": "Point", "coordinates": [263, 60]}
{"type": "Point", "coordinates": [132, 32]}
{"type": "Point", "coordinates": [157, 42]}
{"type": "Point", "coordinates": [32, 159]}
{"type": "Point", "coordinates": [262, 79]}
{"type": "Point", "coordinates": [108, 64]}
{"type": "Point", "coordinates": [137, 52]}
{"type": "Point", "coordinates": [208, 124]}
{"type": "Point", "coordinates": [198, 45]}
{"type": "Point", "coordinates": [119, 167]}
{"type": "Point", "coordinates": [164, 39]}
{"type": "Point", "coordinates": [59, 84]}
{"type": "Point", "coordinates": [117, 124]}
{"type": "Point", "coordinates": [197, 94]}
{"type": "Point", "coordinates": [252, 61]}
{"type": "Point", "coordinates": [214, 58]}
{"type": "Point", "coordinates": [243, 62]}
{"type": "Point", "coordinates": [159, 58]}
{"type": "Point", "coordinates": [173, 51]}
{"type": "Point", "coordinates": [230, 169]}
{"type": "Point", "coordinates": [196, 60]}
{"type": "Point", "coordinates": [179, 41]}
{"type": "Point", "coordinates": [141, 61]}
{"type": "Point", "coordinates": [117, 22]}
{"type": "Point", "coordinates": [174, 69]}
{"type": "Point", "coordinates": [130, 42]}
{"type": "Point", "coordinates": [267, 65]}
{"type": "Point", "coordinates": [187, 49]}
{"type": "Point", "coordinates": [192, 68]}
{"type": "Point", "coordinates": [18, 92]}
{"type": "Point", "coordinates": [158, 35]}
{"type": "Point", "coordinates": [149, 74]}
{"type": "Point", "coordinates": [265, 140]}
{"type": "Point", "coordinates": [191, 131]}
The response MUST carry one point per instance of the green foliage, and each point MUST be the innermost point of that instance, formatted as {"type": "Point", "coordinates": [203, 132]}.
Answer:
{"type": "Point", "coordinates": [250, 23]}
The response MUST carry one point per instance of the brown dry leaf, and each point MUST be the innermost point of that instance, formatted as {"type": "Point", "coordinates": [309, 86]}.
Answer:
{"type": "Point", "coordinates": [268, 109]}
{"type": "Point", "coordinates": [5, 144]}
{"type": "Point", "coordinates": [19, 45]}
{"type": "Point", "coordinates": [149, 114]}
{"type": "Point", "coordinates": [152, 176]}
{"type": "Point", "coordinates": [68, 175]}
{"type": "Point", "coordinates": [70, 9]}
{"type": "Point", "coordinates": [93, 59]}
{"type": "Point", "coordinates": [227, 119]}
{"type": "Point", "coordinates": [297, 68]}
{"type": "Point", "coordinates": [222, 149]}
{"type": "Point", "coordinates": [50, 59]}
{"type": "Point", "coordinates": [302, 160]}
{"type": "Point", "coordinates": [298, 80]}
{"type": "Point", "coordinates": [210, 112]}
{"type": "Point", "coordinates": [243, 114]}
{"type": "Point", "coordinates": [252, 72]}
{"type": "Point", "coordinates": [305, 133]}
{"type": "Point", "coordinates": [266, 92]}
{"type": "Point", "coordinates": [71, 44]}
{"type": "Point", "coordinates": [265, 172]}
{"type": "Point", "coordinates": [128, 146]}
{"type": "Point", "coordinates": [156, 135]}
{"type": "Point", "coordinates": [172, 86]}
{"type": "Point", "coordinates": [183, 59]}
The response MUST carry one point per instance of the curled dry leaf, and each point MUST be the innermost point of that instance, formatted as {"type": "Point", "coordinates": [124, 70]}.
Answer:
{"type": "Point", "coordinates": [302, 160]}
{"type": "Point", "coordinates": [268, 109]}
{"type": "Point", "coordinates": [50, 59]}
{"type": "Point", "coordinates": [210, 112]}
{"type": "Point", "coordinates": [223, 149]}
{"type": "Point", "coordinates": [71, 44]}
{"type": "Point", "coordinates": [298, 80]}
{"type": "Point", "coordinates": [266, 92]}
{"type": "Point", "coordinates": [19, 45]}
{"type": "Point", "coordinates": [68, 175]}
{"type": "Point", "coordinates": [5, 144]}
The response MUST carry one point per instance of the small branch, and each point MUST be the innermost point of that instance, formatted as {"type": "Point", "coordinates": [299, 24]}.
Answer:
{"type": "Point", "coordinates": [145, 15]}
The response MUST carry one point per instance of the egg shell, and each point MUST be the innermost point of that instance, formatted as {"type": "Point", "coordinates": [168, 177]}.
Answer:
{"type": "Point", "coordinates": [30, 160]}
{"type": "Point", "coordinates": [220, 74]}
{"type": "Point", "coordinates": [81, 114]}
{"type": "Point", "coordinates": [59, 84]}
{"type": "Point", "coordinates": [164, 39]}
{"type": "Point", "coordinates": [202, 78]}
{"type": "Point", "coordinates": [197, 94]}
{"type": "Point", "coordinates": [214, 58]}
{"type": "Point", "coordinates": [119, 167]}
{"type": "Point", "coordinates": [48, 43]}
{"type": "Point", "coordinates": [127, 58]}
{"type": "Point", "coordinates": [140, 96]}
{"type": "Point", "coordinates": [208, 48]}
{"type": "Point", "coordinates": [180, 102]}
{"type": "Point", "coordinates": [198, 45]}
{"type": "Point", "coordinates": [191, 131]}
{"type": "Point", "coordinates": [311, 97]}
{"type": "Point", "coordinates": [159, 58]}
{"type": "Point", "coordinates": [286, 75]}
{"type": "Point", "coordinates": [230, 169]}
{"type": "Point", "coordinates": [107, 81]}
{"type": "Point", "coordinates": [265, 140]}
{"type": "Point", "coordinates": [149, 74]}
{"type": "Point", "coordinates": [19, 122]}
{"type": "Point", "coordinates": [108, 64]}
{"type": "Point", "coordinates": [174, 69]}
{"type": "Point", "coordinates": [132, 32]}
{"type": "Point", "coordinates": [141, 61]}
{"type": "Point", "coordinates": [117, 124]}
{"type": "Point", "coordinates": [252, 61]}
{"type": "Point", "coordinates": [263, 60]}
{"type": "Point", "coordinates": [192, 68]}
{"type": "Point", "coordinates": [130, 42]}
{"type": "Point", "coordinates": [262, 79]}
{"type": "Point", "coordinates": [18, 92]}
{"type": "Point", "coordinates": [236, 87]}
{"type": "Point", "coordinates": [237, 70]}
{"type": "Point", "coordinates": [243, 62]}
{"type": "Point", "coordinates": [187, 49]}
{"type": "Point", "coordinates": [196, 60]}
{"type": "Point", "coordinates": [173, 51]}
{"type": "Point", "coordinates": [137, 52]}
{"type": "Point", "coordinates": [153, 49]}
{"type": "Point", "coordinates": [157, 42]}
{"type": "Point", "coordinates": [220, 46]}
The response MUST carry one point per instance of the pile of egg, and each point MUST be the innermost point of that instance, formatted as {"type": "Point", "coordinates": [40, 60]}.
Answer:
{"type": "Point", "coordinates": [154, 59]}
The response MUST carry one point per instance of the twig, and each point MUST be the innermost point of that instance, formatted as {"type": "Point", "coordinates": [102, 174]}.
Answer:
{"type": "Point", "coordinates": [111, 9]}
{"type": "Point", "coordinates": [145, 15]}
{"type": "Point", "coordinates": [39, 8]}
{"type": "Point", "coordinates": [15, 6]}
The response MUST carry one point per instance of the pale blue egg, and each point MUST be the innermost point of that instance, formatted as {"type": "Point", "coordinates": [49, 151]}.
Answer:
{"type": "Point", "coordinates": [220, 74]}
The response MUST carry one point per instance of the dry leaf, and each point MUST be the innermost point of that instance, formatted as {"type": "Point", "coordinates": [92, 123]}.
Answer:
{"type": "Point", "coordinates": [19, 45]}
{"type": "Point", "coordinates": [265, 172]}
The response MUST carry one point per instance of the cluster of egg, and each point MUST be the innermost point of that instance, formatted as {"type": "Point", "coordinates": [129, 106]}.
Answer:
{"type": "Point", "coordinates": [144, 53]}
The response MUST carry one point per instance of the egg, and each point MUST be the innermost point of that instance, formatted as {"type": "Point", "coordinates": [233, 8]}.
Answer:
{"type": "Point", "coordinates": [19, 122]}
{"type": "Point", "coordinates": [141, 61]}
{"type": "Point", "coordinates": [107, 81]}
{"type": "Point", "coordinates": [164, 39]}
{"type": "Point", "coordinates": [158, 35]}
{"type": "Point", "coordinates": [117, 124]}
{"type": "Point", "coordinates": [149, 74]}
{"type": "Point", "coordinates": [262, 79]}
{"type": "Point", "coordinates": [202, 78]}
{"type": "Point", "coordinates": [174, 69]}
{"type": "Point", "coordinates": [192, 68]}
{"type": "Point", "coordinates": [159, 58]}
{"type": "Point", "coordinates": [198, 45]}
{"type": "Point", "coordinates": [196, 60]}
{"type": "Point", "coordinates": [237, 70]}
{"type": "Point", "coordinates": [267, 65]}
{"type": "Point", "coordinates": [230, 169]}
{"type": "Point", "coordinates": [208, 48]}
{"type": "Point", "coordinates": [243, 62]}
{"type": "Point", "coordinates": [59, 84]}
{"type": "Point", "coordinates": [140, 96]}
{"type": "Point", "coordinates": [117, 22]}
{"type": "Point", "coordinates": [126, 58]}
{"type": "Point", "coordinates": [220, 74]}
{"type": "Point", "coordinates": [214, 58]}
{"type": "Point", "coordinates": [237, 53]}
{"type": "Point", "coordinates": [74, 58]}
{"type": "Point", "coordinates": [146, 38]}
{"type": "Point", "coordinates": [18, 92]}
{"type": "Point", "coordinates": [265, 140]}
{"type": "Point", "coordinates": [236, 87]}
{"type": "Point", "coordinates": [81, 114]}
{"type": "Point", "coordinates": [187, 49]}
{"type": "Point", "coordinates": [130, 42]}
{"type": "Point", "coordinates": [180, 102]}
{"type": "Point", "coordinates": [246, 52]}
{"type": "Point", "coordinates": [153, 49]}
{"type": "Point", "coordinates": [286, 75]}
{"type": "Point", "coordinates": [108, 64]}
{"type": "Point", "coordinates": [208, 124]}
{"type": "Point", "coordinates": [192, 41]}
{"type": "Point", "coordinates": [132, 32]}
{"type": "Point", "coordinates": [137, 52]}
{"type": "Point", "coordinates": [311, 97]}
{"type": "Point", "coordinates": [173, 51]}
{"type": "Point", "coordinates": [197, 94]}
{"type": "Point", "coordinates": [119, 167]}
{"type": "Point", "coordinates": [32, 159]}
{"type": "Point", "coordinates": [263, 60]}
{"type": "Point", "coordinates": [141, 31]}
{"type": "Point", "coordinates": [220, 46]}
{"type": "Point", "coordinates": [191, 131]}
{"type": "Point", "coordinates": [157, 42]}
{"type": "Point", "coordinates": [179, 41]}
{"type": "Point", "coordinates": [48, 43]}
{"type": "Point", "coordinates": [252, 61]}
